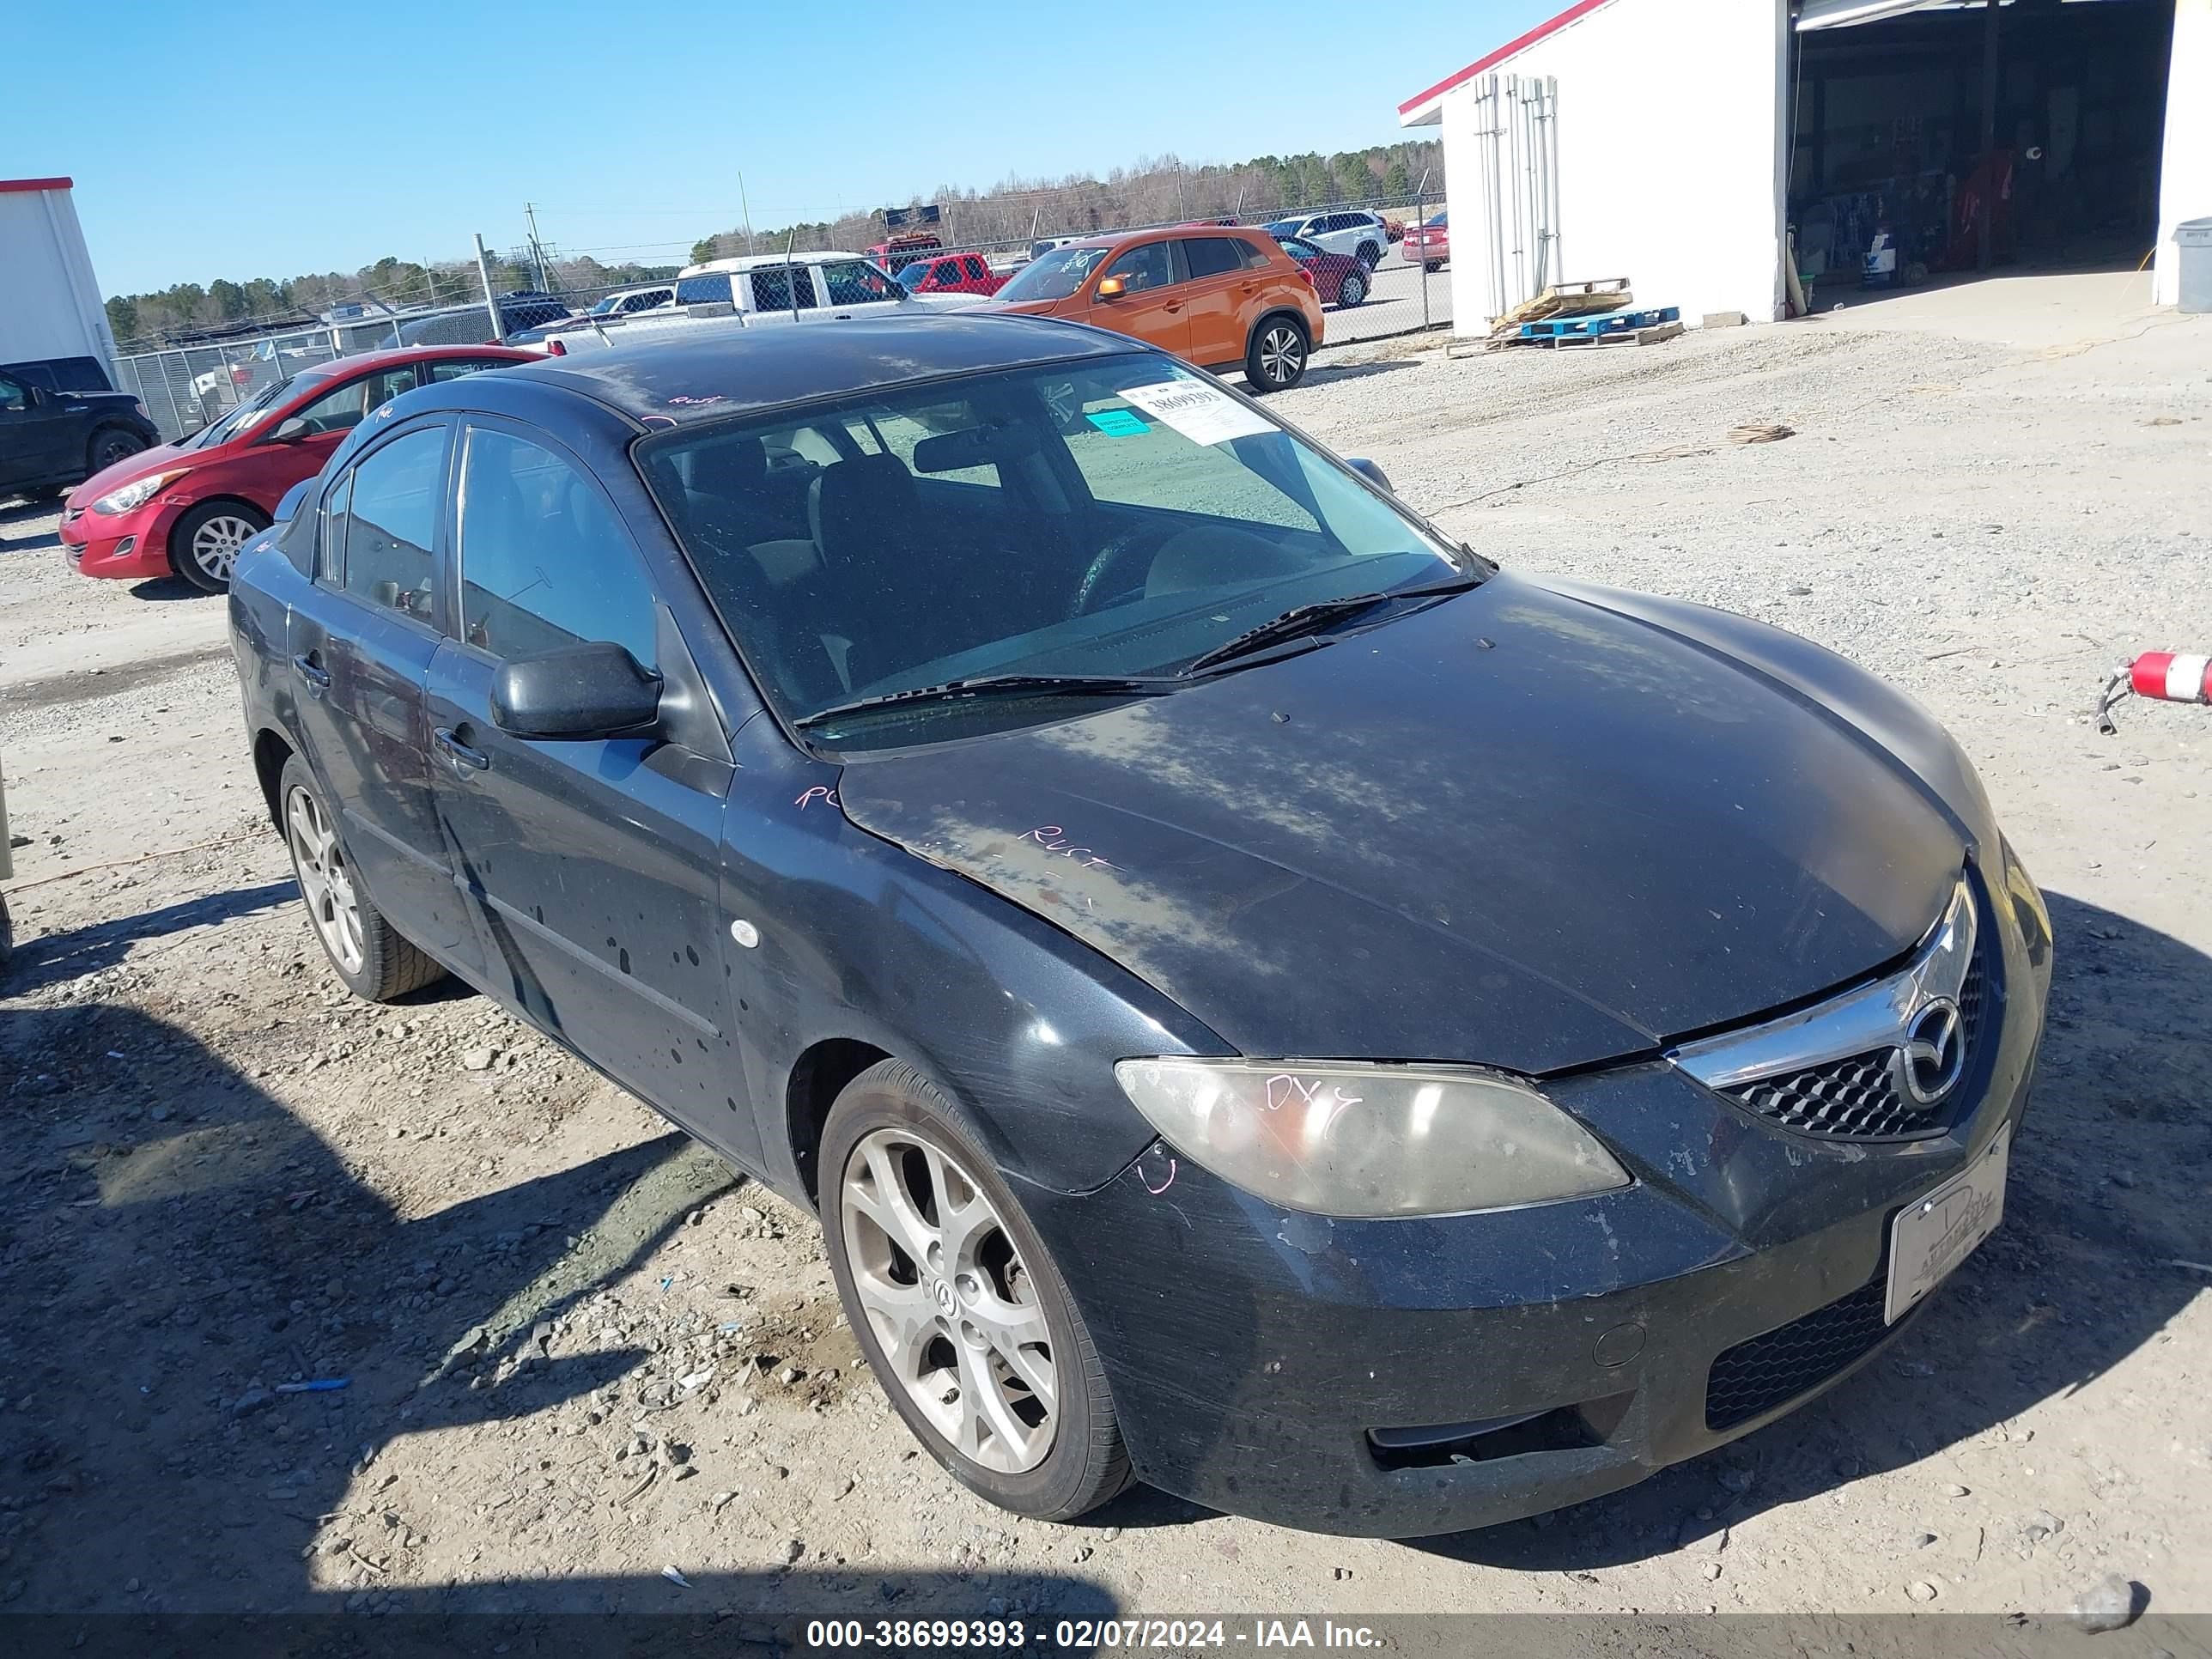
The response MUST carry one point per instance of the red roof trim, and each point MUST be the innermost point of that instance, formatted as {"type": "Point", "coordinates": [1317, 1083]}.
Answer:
{"type": "Point", "coordinates": [8, 184]}
{"type": "Point", "coordinates": [1580, 8]}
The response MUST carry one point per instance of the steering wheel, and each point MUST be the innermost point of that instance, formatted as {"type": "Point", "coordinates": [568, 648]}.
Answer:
{"type": "Point", "coordinates": [1094, 579]}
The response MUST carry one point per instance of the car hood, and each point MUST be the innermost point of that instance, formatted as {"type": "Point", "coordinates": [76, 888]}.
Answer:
{"type": "Point", "coordinates": [136, 466]}
{"type": "Point", "coordinates": [1524, 827]}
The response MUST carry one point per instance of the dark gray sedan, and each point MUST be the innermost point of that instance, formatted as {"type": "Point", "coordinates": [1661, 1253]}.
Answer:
{"type": "Point", "coordinates": [1262, 1001]}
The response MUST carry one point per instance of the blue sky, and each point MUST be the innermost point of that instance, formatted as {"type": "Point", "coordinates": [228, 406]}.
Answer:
{"type": "Point", "coordinates": [266, 139]}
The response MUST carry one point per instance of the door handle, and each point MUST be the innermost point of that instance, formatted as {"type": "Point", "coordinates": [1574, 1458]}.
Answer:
{"type": "Point", "coordinates": [317, 677]}
{"type": "Point", "coordinates": [1172, 309]}
{"type": "Point", "coordinates": [458, 752]}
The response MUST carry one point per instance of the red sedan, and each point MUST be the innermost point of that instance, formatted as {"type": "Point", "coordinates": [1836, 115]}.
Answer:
{"type": "Point", "coordinates": [187, 508]}
{"type": "Point", "coordinates": [1339, 278]}
{"type": "Point", "coordinates": [1429, 244]}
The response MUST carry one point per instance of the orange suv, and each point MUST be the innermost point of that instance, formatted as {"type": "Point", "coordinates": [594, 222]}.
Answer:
{"type": "Point", "coordinates": [1218, 296]}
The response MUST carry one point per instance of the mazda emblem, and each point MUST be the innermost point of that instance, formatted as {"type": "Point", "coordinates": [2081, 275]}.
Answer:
{"type": "Point", "coordinates": [1934, 1053]}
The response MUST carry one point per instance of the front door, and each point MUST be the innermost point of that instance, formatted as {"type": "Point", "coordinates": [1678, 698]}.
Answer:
{"type": "Point", "coordinates": [593, 868]}
{"type": "Point", "coordinates": [361, 642]}
{"type": "Point", "coordinates": [31, 432]}
{"type": "Point", "coordinates": [272, 465]}
{"type": "Point", "coordinates": [1150, 306]}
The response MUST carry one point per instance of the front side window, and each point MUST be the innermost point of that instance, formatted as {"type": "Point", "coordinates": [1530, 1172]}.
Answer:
{"type": "Point", "coordinates": [1117, 518]}
{"type": "Point", "coordinates": [347, 405]}
{"type": "Point", "coordinates": [13, 398]}
{"type": "Point", "coordinates": [1152, 266]}
{"type": "Point", "coordinates": [856, 282]}
{"type": "Point", "coordinates": [783, 288]}
{"type": "Point", "coordinates": [1054, 274]}
{"type": "Point", "coordinates": [384, 529]}
{"type": "Point", "coordinates": [544, 562]}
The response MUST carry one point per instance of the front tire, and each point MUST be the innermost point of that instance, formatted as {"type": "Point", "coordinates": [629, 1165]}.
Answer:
{"type": "Point", "coordinates": [376, 962]}
{"type": "Point", "coordinates": [1275, 360]}
{"type": "Point", "coordinates": [109, 445]}
{"type": "Point", "coordinates": [1352, 289]}
{"type": "Point", "coordinates": [203, 545]}
{"type": "Point", "coordinates": [961, 1312]}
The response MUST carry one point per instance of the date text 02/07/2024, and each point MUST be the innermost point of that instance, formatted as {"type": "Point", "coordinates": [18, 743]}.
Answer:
{"type": "Point", "coordinates": [1089, 1635]}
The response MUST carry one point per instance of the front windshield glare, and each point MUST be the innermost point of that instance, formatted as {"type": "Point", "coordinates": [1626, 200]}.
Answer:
{"type": "Point", "coordinates": [251, 413]}
{"type": "Point", "coordinates": [1120, 517]}
{"type": "Point", "coordinates": [1054, 276]}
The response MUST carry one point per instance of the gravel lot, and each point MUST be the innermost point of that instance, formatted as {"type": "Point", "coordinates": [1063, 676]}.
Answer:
{"type": "Point", "coordinates": [580, 1353]}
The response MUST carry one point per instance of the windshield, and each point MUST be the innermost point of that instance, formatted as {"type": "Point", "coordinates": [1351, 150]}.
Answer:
{"type": "Point", "coordinates": [1056, 274]}
{"type": "Point", "coordinates": [1121, 517]}
{"type": "Point", "coordinates": [607, 305]}
{"type": "Point", "coordinates": [1282, 227]}
{"type": "Point", "coordinates": [251, 413]}
{"type": "Point", "coordinates": [912, 276]}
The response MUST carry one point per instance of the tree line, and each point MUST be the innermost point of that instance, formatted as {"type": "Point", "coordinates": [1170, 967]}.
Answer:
{"type": "Point", "coordinates": [1156, 190]}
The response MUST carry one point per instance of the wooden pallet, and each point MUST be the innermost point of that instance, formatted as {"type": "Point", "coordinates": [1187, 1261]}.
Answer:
{"type": "Point", "coordinates": [1635, 337]}
{"type": "Point", "coordinates": [1566, 300]}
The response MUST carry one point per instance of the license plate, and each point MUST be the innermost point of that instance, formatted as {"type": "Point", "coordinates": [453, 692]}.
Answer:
{"type": "Point", "coordinates": [1933, 1236]}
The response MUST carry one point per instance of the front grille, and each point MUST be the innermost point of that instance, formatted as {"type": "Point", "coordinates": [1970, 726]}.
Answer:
{"type": "Point", "coordinates": [1755, 1376]}
{"type": "Point", "coordinates": [1858, 1098]}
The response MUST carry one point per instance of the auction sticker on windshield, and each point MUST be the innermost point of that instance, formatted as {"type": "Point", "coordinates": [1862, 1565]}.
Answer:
{"type": "Point", "coordinates": [1200, 413]}
{"type": "Point", "coordinates": [1933, 1236]}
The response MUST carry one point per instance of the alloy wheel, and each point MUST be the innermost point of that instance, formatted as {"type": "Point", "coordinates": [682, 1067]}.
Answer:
{"type": "Point", "coordinates": [950, 1301]}
{"type": "Point", "coordinates": [1352, 291]}
{"type": "Point", "coordinates": [216, 542]}
{"type": "Point", "coordinates": [1282, 354]}
{"type": "Point", "coordinates": [326, 879]}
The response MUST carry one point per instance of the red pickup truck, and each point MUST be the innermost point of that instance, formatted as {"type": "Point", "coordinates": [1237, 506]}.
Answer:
{"type": "Point", "coordinates": [896, 253]}
{"type": "Point", "coordinates": [951, 273]}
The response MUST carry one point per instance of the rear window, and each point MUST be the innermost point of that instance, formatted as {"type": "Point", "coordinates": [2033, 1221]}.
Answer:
{"type": "Point", "coordinates": [712, 288]}
{"type": "Point", "coordinates": [782, 287]}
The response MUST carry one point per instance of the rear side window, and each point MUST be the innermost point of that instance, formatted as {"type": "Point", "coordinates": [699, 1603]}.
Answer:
{"type": "Point", "coordinates": [1211, 256]}
{"type": "Point", "coordinates": [454, 371]}
{"type": "Point", "coordinates": [783, 288]}
{"type": "Point", "coordinates": [544, 562]}
{"type": "Point", "coordinates": [382, 524]}
{"type": "Point", "coordinates": [712, 288]}
{"type": "Point", "coordinates": [1253, 256]}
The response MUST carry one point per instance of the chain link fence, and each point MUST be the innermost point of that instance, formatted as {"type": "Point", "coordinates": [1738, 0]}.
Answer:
{"type": "Point", "coordinates": [186, 387]}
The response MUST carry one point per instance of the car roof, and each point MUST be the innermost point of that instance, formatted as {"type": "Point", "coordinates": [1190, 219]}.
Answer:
{"type": "Point", "coordinates": [1190, 227]}
{"type": "Point", "coordinates": [710, 376]}
{"type": "Point", "coordinates": [393, 356]}
{"type": "Point", "coordinates": [755, 261]}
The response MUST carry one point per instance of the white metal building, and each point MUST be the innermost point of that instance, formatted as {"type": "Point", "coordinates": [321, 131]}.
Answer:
{"type": "Point", "coordinates": [50, 302]}
{"type": "Point", "coordinates": [1675, 142]}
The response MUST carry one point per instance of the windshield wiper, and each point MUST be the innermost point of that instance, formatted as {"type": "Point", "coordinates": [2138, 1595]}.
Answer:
{"type": "Point", "coordinates": [1304, 619]}
{"type": "Point", "coordinates": [999, 685]}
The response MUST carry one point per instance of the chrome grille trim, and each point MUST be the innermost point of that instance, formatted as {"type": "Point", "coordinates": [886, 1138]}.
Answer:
{"type": "Point", "coordinates": [1863, 1022]}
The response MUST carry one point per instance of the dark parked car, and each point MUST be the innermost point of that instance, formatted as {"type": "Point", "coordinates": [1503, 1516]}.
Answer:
{"type": "Point", "coordinates": [61, 421]}
{"type": "Point", "coordinates": [1262, 1000]}
{"type": "Point", "coordinates": [1338, 278]}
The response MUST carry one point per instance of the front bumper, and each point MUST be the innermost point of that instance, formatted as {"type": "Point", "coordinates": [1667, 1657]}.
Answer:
{"type": "Point", "coordinates": [130, 545]}
{"type": "Point", "coordinates": [1254, 1354]}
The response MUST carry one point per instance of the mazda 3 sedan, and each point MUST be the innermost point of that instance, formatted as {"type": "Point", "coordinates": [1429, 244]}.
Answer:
{"type": "Point", "coordinates": [1263, 1001]}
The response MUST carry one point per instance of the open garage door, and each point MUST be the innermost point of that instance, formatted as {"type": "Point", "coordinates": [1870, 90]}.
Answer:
{"type": "Point", "coordinates": [1945, 137]}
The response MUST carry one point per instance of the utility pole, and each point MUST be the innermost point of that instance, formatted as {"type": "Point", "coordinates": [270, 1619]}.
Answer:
{"type": "Point", "coordinates": [746, 208]}
{"type": "Point", "coordinates": [537, 251]}
{"type": "Point", "coordinates": [491, 301]}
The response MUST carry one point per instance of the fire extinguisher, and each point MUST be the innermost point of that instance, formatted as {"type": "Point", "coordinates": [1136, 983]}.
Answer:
{"type": "Point", "coordinates": [2165, 676]}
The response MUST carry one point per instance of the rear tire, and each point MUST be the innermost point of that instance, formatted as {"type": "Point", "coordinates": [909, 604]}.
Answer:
{"type": "Point", "coordinates": [1352, 289]}
{"type": "Point", "coordinates": [373, 958]}
{"type": "Point", "coordinates": [204, 544]}
{"type": "Point", "coordinates": [946, 1284]}
{"type": "Point", "coordinates": [1275, 360]}
{"type": "Point", "coordinates": [1433, 266]}
{"type": "Point", "coordinates": [109, 445]}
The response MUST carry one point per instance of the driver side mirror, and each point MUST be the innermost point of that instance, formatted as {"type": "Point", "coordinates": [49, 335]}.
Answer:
{"type": "Point", "coordinates": [291, 431]}
{"type": "Point", "coordinates": [1374, 474]}
{"type": "Point", "coordinates": [580, 692]}
{"type": "Point", "coordinates": [1111, 288]}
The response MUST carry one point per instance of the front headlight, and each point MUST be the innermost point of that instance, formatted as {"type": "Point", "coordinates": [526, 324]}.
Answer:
{"type": "Point", "coordinates": [138, 492]}
{"type": "Point", "coordinates": [1346, 1139]}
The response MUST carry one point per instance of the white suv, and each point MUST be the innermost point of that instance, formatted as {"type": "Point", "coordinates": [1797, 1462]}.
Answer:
{"type": "Point", "coordinates": [1358, 234]}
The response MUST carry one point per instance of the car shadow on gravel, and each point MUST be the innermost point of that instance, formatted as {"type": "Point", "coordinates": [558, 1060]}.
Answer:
{"type": "Point", "coordinates": [1321, 372]}
{"type": "Point", "coordinates": [181, 1250]}
{"type": "Point", "coordinates": [2103, 1200]}
{"type": "Point", "coordinates": [49, 959]}
{"type": "Point", "coordinates": [163, 589]}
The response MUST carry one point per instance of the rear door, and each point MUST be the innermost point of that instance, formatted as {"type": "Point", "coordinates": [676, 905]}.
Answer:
{"type": "Point", "coordinates": [591, 868]}
{"type": "Point", "coordinates": [1220, 290]}
{"type": "Point", "coordinates": [1152, 306]}
{"type": "Point", "coordinates": [361, 642]}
